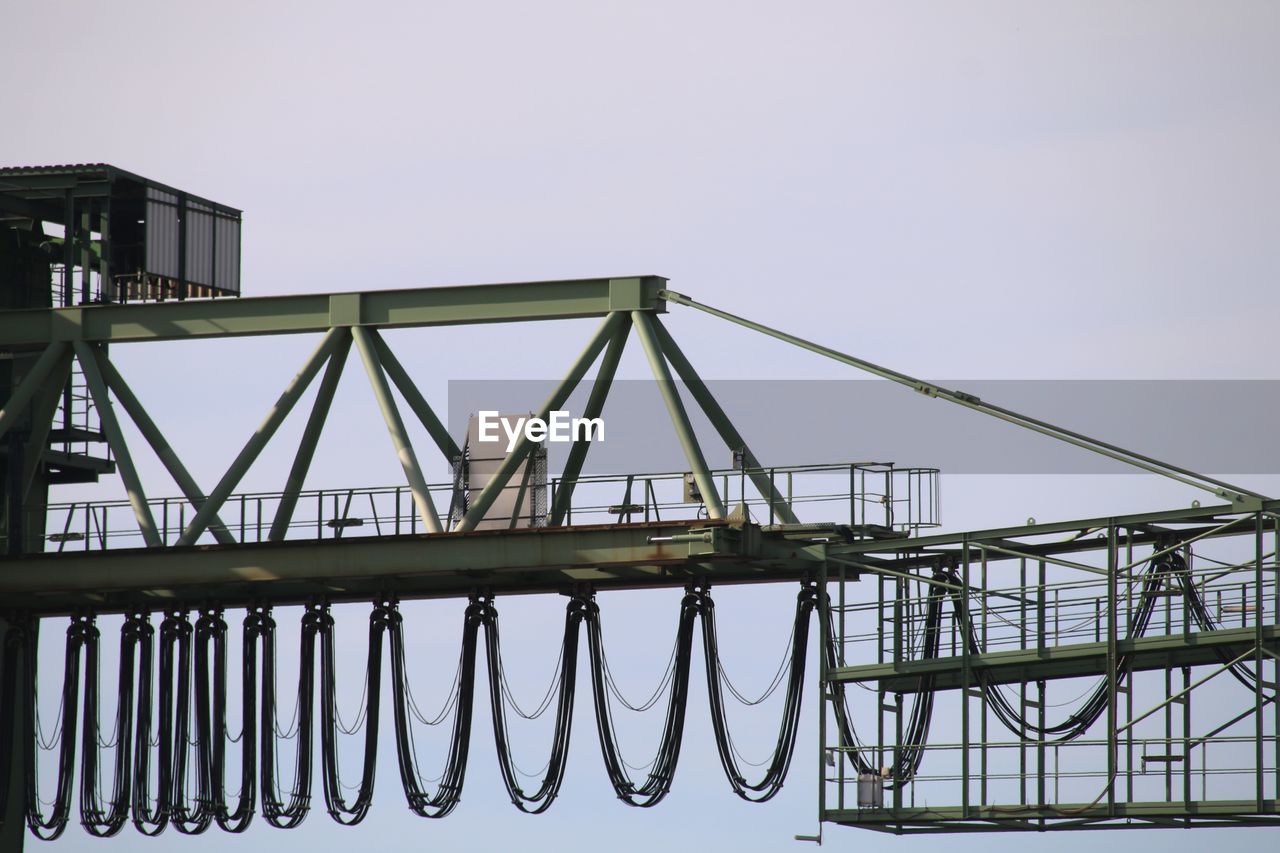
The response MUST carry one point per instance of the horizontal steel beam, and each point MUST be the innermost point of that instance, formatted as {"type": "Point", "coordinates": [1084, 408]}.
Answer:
{"type": "Point", "coordinates": [1147, 527]}
{"type": "Point", "coordinates": [417, 566]}
{"type": "Point", "coordinates": [282, 315]}
{"type": "Point", "coordinates": [1016, 666]}
{"type": "Point", "coordinates": [1214, 813]}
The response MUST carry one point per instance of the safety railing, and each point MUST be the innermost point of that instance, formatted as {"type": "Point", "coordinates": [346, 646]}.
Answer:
{"type": "Point", "coordinates": [872, 498]}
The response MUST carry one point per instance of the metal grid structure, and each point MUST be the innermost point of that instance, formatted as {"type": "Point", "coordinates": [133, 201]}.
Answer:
{"type": "Point", "coordinates": [1079, 698]}
{"type": "Point", "coordinates": [868, 498]}
{"type": "Point", "coordinates": [942, 624]}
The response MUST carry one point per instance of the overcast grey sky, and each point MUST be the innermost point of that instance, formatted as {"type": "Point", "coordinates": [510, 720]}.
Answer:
{"type": "Point", "coordinates": [986, 190]}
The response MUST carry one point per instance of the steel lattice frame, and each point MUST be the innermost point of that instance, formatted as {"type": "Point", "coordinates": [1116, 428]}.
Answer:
{"type": "Point", "coordinates": [457, 561]}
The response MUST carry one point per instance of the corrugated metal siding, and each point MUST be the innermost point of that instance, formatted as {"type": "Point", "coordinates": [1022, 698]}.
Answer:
{"type": "Point", "coordinates": [199, 243]}
{"type": "Point", "coordinates": [162, 233]}
{"type": "Point", "coordinates": [227, 255]}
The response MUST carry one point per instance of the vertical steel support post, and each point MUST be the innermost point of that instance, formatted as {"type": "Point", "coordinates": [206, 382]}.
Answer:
{"type": "Point", "coordinates": [425, 414]}
{"type": "Point", "coordinates": [13, 758]}
{"type": "Point", "coordinates": [900, 613]}
{"type": "Point", "coordinates": [1041, 697]}
{"type": "Point", "coordinates": [494, 487]}
{"type": "Point", "coordinates": [1186, 739]}
{"type": "Point", "coordinates": [1168, 709]}
{"type": "Point", "coordinates": [679, 417]}
{"type": "Point", "coordinates": [841, 633]}
{"type": "Point", "coordinates": [728, 433]}
{"type": "Point", "coordinates": [253, 447]}
{"type": "Point", "coordinates": [1128, 688]}
{"type": "Point", "coordinates": [159, 445]}
{"type": "Point", "coordinates": [86, 268]}
{"type": "Point", "coordinates": [1187, 697]}
{"type": "Point", "coordinates": [1258, 663]}
{"type": "Point", "coordinates": [395, 427]}
{"type": "Point", "coordinates": [1113, 616]}
{"type": "Point", "coordinates": [43, 408]}
{"type": "Point", "coordinates": [30, 384]}
{"type": "Point", "coordinates": [68, 247]}
{"type": "Point", "coordinates": [824, 637]}
{"type": "Point", "coordinates": [964, 683]}
{"type": "Point", "coordinates": [1022, 686]}
{"type": "Point", "coordinates": [880, 653]}
{"type": "Point", "coordinates": [115, 440]}
{"type": "Point", "coordinates": [310, 438]}
{"type": "Point", "coordinates": [982, 696]}
{"type": "Point", "coordinates": [595, 405]}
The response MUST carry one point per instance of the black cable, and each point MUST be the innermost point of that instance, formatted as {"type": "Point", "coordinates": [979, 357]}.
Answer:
{"type": "Point", "coordinates": [96, 820]}
{"type": "Point", "coordinates": [275, 811]}
{"type": "Point", "coordinates": [658, 782]}
{"type": "Point", "coordinates": [211, 718]}
{"type": "Point", "coordinates": [49, 828]}
{"type": "Point", "coordinates": [780, 760]}
{"type": "Point", "coordinates": [172, 709]}
{"type": "Point", "coordinates": [449, 791]}
{"type": "Point", "coordinates": [541, 798]}
{"type": "Point", "coordinates": [339, 809]}
{"type": "Point", "coordinates": [147, 819]}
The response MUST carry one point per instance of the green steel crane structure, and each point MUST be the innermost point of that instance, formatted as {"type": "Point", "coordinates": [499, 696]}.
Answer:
{"type": "Point", "coordinates": [975, 629]}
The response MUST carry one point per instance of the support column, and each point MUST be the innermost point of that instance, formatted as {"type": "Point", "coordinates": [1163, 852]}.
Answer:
{"type": "Point", "coordinates": [679, 417]}
{"type": "Point", "coordinates": [160, 446]}
{"type": "Point", "coordinates": [728, 433]}
{"type": "Point", "coordinates": [1113, 657]}
{"type": "Point", "coordinates": [43, 408]}
{"type": "Point", "coordinates": [260, 437]}
{"type": "Point", "coordinates": [594, 407]}
{"type": "Point", "coordinates": [13, 753]}
{"type": "Point", "coordinates": [115, 440]}
{"type": "Point", "coordinates": [310, 438]}
{"type": "Point", "coordinates": [31, 383]}
{"type": "Point", "coordinates": [490, 492]}
{"type": "Point", "coordinates": [400, 378]}
{"type": "Point", "coordinates": [395, 427]}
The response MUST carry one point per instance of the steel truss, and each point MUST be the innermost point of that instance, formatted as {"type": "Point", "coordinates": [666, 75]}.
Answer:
{"type": "Point", "coordinates": [987, 629]}
{"type": "Point", "coordinates": [937, 605]}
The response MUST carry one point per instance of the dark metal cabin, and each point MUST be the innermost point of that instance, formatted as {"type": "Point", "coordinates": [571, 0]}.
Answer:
{"type": "Point", "coordinates": [130, 238]}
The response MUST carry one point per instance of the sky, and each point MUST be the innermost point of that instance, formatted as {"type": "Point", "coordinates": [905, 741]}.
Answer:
{"type": "Point", "coordinates": [989, 190]}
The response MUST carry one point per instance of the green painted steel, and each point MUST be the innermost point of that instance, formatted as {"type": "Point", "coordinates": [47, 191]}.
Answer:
{"type": "Point", "coordinates": [395, 428]}
{"type": "Point", "coordinates": [1225, 490]}
{"type": "Point", "coordinates": [425, 414]}
{"type": "Point", "coordinates": [467, 562]}
{"type": "Point", "coordinates": [679, 417]}
{"type": "Point", "coordinates": [279, 411]}
{"type": "Point", "coordinates": [278, 315]}
{"type": "Point", "coordinates": [32, 383]}
{"type": "Point", "coordinates": [1104, 640]}
{"type": "Point", "coordinates": [310, 438]}
{"type": "Point", "coordinates": [593, 409]}
{"type": "Point", "coordinates": [484, 500]}
{"type": "Point", "coordinates": [1076, 816]}
{"type": "Point", "coordinates": [88, 359]}
{"type": "Point", "coordinates": [728, 432]}
{"type": "Point", "coordinates": [173, 464]}
{"type": "Point", "coordinates": [43, 408]}
{"type": "Point", "coordinates": [546, 559]}
{"type": "Point", "coordinates": [1016, 666]}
